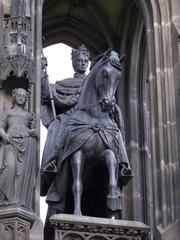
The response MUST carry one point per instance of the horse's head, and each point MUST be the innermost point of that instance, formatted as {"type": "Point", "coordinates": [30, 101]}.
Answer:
{"type": "Point", "coordinates": [109, 73]}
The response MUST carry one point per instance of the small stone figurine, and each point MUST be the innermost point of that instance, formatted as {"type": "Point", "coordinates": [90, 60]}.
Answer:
{"type": "Point", "coordinates": [17, 153]}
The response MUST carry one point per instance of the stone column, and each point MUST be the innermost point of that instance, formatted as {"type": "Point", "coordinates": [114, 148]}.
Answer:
{"type": "Point", "coordinates": [68, 227]}
{"type": "Point", "coordinates": [15, 224]}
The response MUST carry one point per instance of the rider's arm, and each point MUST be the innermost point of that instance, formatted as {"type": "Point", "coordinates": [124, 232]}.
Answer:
{"type": "Point", "coordinates": [65, 96]}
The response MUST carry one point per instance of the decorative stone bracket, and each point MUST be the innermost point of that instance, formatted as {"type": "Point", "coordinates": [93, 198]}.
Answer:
{"type": "Point", "coordinates": [71, 227]}
{"type": "Point", "coordinates": [18, 66]}
{"type": "Point", "coordinates": [15, 224]}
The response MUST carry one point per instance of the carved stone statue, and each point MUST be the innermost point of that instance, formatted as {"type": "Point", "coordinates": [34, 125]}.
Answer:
{"type": "Point", "coordinates": [65, 94]}
{"type": "Point", "coordinates": [91, 159]}
{"type": "Point", "coordinates": [17, 153]}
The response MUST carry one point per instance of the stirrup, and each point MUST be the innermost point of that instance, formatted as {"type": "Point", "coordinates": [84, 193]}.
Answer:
{"type": "Point", "coordinates": [50, 167]}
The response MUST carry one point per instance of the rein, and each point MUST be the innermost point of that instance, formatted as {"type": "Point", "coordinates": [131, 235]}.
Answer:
{"type": "Point", "coordinates": [86, 107]}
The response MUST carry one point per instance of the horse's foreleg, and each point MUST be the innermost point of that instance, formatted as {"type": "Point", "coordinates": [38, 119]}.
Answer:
{"type": "Point", "coordinates": [77, 164]}
{"type": "Point", "coordinates": [111, 164]}
{"type": "Point", "coordinates": [114, 196]}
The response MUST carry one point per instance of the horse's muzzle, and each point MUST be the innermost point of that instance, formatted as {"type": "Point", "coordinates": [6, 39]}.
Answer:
{"type": "Point", "coordinates": [107, 104]}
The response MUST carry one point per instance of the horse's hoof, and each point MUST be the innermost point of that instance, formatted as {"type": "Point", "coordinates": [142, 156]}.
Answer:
{"type": "Point", "coordinates": [114, 193]}
{"type": "Point", "coordinates": [79, 213]}
{"type": "Point", "coordinates": [114, 203]}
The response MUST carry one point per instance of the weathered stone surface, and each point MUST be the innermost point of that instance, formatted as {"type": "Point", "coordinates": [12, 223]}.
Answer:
{"type": "Point", "coordinates": [15, 224]}
{"type": "Point", "coordinates": [37, 231]}
{"type": "Point", "coordinates": [147, 32]}
{"type": "Point", "coordinates": [16, 53]}
{"type": "Point", "coordinates": [81, 227]}
{"type": "Point", "coordinates": [20, 48]}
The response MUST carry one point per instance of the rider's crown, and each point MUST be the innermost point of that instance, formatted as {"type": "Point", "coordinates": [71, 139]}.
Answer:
{"type": "Point", "coordinates": [76, 52]}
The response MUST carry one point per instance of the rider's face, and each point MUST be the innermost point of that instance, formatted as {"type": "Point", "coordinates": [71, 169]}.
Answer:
{"type": "Point", "coordinates": [81, 63]}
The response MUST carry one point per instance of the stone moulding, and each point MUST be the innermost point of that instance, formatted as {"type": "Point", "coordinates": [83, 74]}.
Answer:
{"type": "Point", "coordinates": [15, 223]}
{"type": "Point", "coordinates": [90, 228]}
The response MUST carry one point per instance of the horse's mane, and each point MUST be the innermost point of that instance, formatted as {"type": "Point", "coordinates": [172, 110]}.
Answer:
{"type": "Point", "coordinates": [107, 53]}
{"type": "Point", "coordinates": [95, 60]}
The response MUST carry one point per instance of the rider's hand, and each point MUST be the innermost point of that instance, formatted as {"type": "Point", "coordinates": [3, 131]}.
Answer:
{"type": "Point", "coordinates": [5, 138]}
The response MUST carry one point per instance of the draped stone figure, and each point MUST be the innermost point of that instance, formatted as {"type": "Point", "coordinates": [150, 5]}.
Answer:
{"type": "Point", "coordinates": [17, 154]}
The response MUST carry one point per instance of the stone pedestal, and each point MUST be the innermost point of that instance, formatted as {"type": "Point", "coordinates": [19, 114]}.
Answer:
{"type": "Point", "coordinates": [15, 224]}
{"type": "Point", "coordinates": [71, 227]}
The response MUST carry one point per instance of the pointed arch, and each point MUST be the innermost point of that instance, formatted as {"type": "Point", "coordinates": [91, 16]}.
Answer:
{"type": "Point", "coordinates": [148, 100]}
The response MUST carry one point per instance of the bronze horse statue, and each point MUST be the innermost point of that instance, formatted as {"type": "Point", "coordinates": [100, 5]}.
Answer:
{"type": "Point", "coordinates": [93, 135]}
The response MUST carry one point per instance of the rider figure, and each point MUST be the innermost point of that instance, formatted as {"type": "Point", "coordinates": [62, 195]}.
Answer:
{"type": "Point", "coordinates": [65, 94]}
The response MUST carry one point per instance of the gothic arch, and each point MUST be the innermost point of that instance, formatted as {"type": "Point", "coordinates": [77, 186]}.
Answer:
{"type": "Point", "coordinates": [147, 97]}
{"type": "Point", "coordinates": [163, 132]}
{"type": "Point", "coordinates": [136, 110]}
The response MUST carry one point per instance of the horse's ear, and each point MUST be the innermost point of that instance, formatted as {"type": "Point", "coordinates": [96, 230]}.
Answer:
{"type": "Point", "coordinates": [95, 60]}
{"type": "Point", "coordinates": [104, 55]}
{"type": "Point", "coordinates": [107, 53]}
{"type": "Point", "coordinates": [122, 58]}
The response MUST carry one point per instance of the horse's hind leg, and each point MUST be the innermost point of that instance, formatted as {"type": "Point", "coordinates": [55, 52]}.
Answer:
{"type": "Point", "coordinates": [77, 165]}
{"type": "Point", "coordinates": [114, 195]}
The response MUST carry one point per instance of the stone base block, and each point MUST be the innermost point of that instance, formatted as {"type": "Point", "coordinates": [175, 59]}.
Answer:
{"type": "Point", "coordinates": [71, 227]}
{"type": "Point", "coordinates": [15, 224]}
